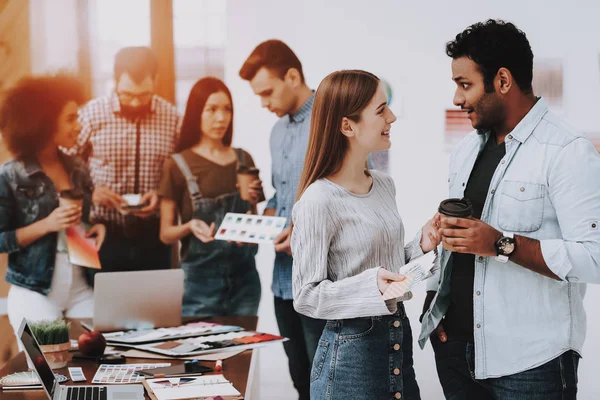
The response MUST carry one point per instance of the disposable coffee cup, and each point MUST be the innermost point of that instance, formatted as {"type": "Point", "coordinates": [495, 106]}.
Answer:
{"type": "Point", "coordinates": [457, 208]}
{"type": "Point", "coordinates": [71, 197]}
{"type": "Point", "coordinates": [245, 176]}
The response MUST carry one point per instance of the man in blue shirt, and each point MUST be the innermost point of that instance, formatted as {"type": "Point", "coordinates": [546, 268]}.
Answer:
{"type": "Point", "coordinates": [506, 317]}
{"type": "Point", "coordinates": [275, 75]}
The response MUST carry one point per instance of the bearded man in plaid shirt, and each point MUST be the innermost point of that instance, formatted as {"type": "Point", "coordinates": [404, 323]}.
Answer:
{"type": "Point", "coordinates": [125, 137]}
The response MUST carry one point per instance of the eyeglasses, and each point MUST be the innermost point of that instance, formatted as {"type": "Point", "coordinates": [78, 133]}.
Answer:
{"type": "Point", "coordinates": [141, 97]}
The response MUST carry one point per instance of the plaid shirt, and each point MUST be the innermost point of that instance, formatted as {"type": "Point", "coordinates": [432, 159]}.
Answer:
{"type": "Point", "coordinates": [289, 141]}
{"type": "Point", "coordinates": [108, 141]}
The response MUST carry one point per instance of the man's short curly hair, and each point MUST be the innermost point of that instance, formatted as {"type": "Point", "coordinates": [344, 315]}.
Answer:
{"type": "Point", "coordinates": [494, 44]}
{"type": "Point", "coordinates": [29, 110]}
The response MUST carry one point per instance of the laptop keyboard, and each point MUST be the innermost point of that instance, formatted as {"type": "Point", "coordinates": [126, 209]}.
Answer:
{"type": "Point", "coordinates": [86, 393]}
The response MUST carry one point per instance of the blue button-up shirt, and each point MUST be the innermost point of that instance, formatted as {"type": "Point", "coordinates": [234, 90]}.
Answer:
{"type": "Point", "coordinates": [289, 141]}
{"type": "Point", "coordinates": [547, 187]}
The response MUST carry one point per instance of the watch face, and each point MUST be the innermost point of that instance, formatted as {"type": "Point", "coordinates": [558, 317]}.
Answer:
{"type": "Point", "coordinates": [507, 246]}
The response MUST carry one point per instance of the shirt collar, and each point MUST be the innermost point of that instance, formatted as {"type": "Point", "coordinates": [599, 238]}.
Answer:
{"type": "Point", "coordinates": [525, 127]}
{"type": "Point", "coordinates": [32, 166]}
{"type": "Point", "coordinates": [115, 104]}
{"type": "Point", "coordinates": [304, 111]}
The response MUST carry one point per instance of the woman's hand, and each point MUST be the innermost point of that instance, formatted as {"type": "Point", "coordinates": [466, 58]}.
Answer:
{"type": "Point", "coordinates": [385, 277]}
{"type": "Point", "coordinates": [431, 237]}
{"type": "Point", "coordinates": [99, 232]}
{"type": "Point", "coordinates": [62, 218]}
{"type": "Point", "coordinates": [204, 232]}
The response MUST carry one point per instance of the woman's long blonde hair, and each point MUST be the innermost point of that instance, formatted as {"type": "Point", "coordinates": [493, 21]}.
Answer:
{"type": "Point", "coordinates": [341, 94]}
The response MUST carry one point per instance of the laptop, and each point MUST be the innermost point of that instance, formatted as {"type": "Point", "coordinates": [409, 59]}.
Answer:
{"type": "Point", "coordinates": [137, 300]}
{"type": "Point", "coordinates": [57, 392]}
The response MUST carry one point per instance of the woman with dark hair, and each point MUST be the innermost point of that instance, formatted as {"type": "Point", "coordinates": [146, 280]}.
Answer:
{"type": "Point", "coordinates": [348, 246]}
{"type": "Point", "coordinates": [199, 186]}
{"type": "Point", "coordinates": [42, 193]}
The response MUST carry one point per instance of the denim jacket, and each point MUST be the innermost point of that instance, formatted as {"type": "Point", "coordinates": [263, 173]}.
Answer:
{"type": "Point", "coordinates": [547, 187]}
{"type": "Point", "coordinates": [27, 195]}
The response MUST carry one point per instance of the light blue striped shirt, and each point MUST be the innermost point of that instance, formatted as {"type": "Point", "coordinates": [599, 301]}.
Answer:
{"type": "Point", "coordinates": [546, 187]}
{"type": "Point", "coordinates": [289, 141]}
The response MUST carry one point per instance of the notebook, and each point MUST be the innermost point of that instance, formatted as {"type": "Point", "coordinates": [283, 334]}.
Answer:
{"type": "Point", "coordinates": [191, 388]}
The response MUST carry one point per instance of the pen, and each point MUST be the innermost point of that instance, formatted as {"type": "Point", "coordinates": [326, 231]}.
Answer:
{"type": "Point", "coordinates": [219, 365]}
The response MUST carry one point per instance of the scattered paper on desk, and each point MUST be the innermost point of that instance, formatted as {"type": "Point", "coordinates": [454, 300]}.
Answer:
{"type": "Point", "coordinates": [415, 271]}
{"type": "Point", "coordinates": [205, 357]}
{"type": "Point", "coordinates": [122, 373]}
{"type": "Point", "coordinates": [248, 228]}
{"type": "Point", "coordinates": [152, 335]}
{"type": "Point", "coordinates": [232, 341]}
{"type": "Point", "coordinates": [199, 387]}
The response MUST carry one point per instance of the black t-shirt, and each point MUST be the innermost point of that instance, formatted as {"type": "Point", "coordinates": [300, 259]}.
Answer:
{"type": "Point", "coordinates": [458, 323]}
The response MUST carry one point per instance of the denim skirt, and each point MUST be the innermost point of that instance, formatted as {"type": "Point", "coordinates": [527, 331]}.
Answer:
{"type": "Point", "coordinates": [365, 358]}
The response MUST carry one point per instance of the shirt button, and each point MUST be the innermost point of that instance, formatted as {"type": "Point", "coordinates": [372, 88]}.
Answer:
{"type": "Point", "coordinates": [480, 259]}
{"type": "Point", "coordinates": [396, 347]}
{"type": "Point", "coordinates": [478, 326]}
{"type": "Point", "coordinates": [284, 182]}
{"type": "Point", "coordinates": [396, 324]}
{"type": "Point", "coordinates": [396, 371]}
{"type": "Point", "coordinates": [397, 395]}
{"type": "Point", "coordinates": [478, 293]}
{"type": "Point", "coordinates": [463, 184]}
{"type": "Point", "coordinates": [493, 191]}
{"type": "Point", "coordinates": [503, 161]}
{"type": "Point", "coordinates": [522, 189]}
{"type": "Point", "coordinates": [510, 136]}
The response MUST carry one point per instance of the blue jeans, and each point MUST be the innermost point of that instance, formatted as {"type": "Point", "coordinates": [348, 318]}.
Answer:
{"type": "Point", "coordinates": [227, 287]}
{"type": "Point", "coordinates": [303, 333]}
{"type": "Point", "coordinates": [365, 358]}
{"type": "Point", "coordinates": [455, 361]}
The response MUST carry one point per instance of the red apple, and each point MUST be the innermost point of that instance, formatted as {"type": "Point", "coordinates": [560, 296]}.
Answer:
{"type": "Point", "coordinates": [91, 344]}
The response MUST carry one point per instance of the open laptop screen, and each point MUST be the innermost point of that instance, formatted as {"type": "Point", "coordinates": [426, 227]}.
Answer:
{"type": "Point", "coordinates": [37, 358]}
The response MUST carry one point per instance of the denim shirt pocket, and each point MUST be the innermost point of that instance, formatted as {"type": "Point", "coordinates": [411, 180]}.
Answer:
{"type": "Point", "coordinates": [521, 207]}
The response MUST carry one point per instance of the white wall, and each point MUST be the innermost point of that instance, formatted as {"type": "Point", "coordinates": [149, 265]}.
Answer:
{"type": "Point", "coordinates": [403, 42]}
{"type": "Point", "coordinates": [53, 27]}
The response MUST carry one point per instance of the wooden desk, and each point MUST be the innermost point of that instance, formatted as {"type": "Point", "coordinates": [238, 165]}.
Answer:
{"type": "Point", "coordinates": [238, 369]}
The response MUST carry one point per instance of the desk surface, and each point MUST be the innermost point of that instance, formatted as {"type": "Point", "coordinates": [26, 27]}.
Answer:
{"type": "Point", "coordinates": [236, 369]}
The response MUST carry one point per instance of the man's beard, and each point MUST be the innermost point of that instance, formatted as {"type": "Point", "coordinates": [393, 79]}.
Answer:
{"type": "Point", "coordinates": [135, 112]}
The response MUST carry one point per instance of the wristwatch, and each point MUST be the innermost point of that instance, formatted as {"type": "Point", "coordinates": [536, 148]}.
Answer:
{"type": "Point", "coordinates": [505, 246]}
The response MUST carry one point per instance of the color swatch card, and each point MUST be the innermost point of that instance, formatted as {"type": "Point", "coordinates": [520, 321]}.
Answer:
{"type": "Point", "coordinates": [82, 250]}
{"type": "Point", "coordinates": [192, 329]}
{"type": "Point", "coordinates": [122, 373]}
{"type": "Point", "coordinates": [247, 228]}
{"type": "Point", "coordinates": [415, 271]}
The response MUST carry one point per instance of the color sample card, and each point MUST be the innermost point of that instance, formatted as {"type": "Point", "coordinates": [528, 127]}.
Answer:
{"type": "Point", "coordinates": [247, 228]}
{"type": "Point", "coordinates": [415, 271]}
{"type": "Point", "coordinates": [82, 250]}
{"type": "Point", "coordinates": [122, 373]}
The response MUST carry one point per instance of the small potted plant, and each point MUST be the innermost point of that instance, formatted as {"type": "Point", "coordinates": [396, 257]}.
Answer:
{"type": "Point", "coordinates": [53, 337]}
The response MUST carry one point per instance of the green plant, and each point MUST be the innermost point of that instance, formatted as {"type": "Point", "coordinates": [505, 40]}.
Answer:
{"type": "Point", "coordinates": [50, 332]}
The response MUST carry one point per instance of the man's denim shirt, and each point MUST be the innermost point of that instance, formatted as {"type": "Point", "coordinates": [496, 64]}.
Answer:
{"type": "Point", "coordinates": [27, 195]}
{"type": "Point", "coordinates": [547, 187]}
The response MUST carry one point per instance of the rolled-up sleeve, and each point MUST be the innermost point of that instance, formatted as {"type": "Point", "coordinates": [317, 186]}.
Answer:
{"type": "Point", "coordinates": [314, 294]}
{"type": "Point", "coordinates": [574, 190]}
